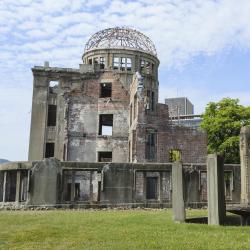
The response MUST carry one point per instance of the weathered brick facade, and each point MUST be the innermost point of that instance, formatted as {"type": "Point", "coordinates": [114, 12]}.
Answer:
{"type": "Point", "coordinates": [107, 110]}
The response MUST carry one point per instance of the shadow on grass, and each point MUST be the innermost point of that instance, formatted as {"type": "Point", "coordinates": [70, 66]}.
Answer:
{"type": "Point", "coordinates": [231, 220]}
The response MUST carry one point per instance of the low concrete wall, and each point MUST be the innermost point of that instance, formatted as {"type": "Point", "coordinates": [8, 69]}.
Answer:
{"type": "Point", "coordinates": [72, 184]}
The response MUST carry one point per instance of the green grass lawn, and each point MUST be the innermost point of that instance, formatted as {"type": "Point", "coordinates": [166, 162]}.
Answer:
{"type": "Point", "coordinates": [114, 229]}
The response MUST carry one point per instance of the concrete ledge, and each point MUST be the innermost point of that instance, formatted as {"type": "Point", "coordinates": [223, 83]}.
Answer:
{"type": "Point", "coordinates": [16, 165]}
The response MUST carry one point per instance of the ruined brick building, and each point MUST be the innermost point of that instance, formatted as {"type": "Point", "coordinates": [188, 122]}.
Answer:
{"type": "Point", "coordinates": [108, 110]}
{"type": "Point", "coordinates": [113, 142]}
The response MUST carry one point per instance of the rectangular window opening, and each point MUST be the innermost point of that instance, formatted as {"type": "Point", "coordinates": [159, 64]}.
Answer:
{"type": "Point", "coordinates": [123, 63]}
{"type": "Point", "coordinates": [51, 121]}
{"type": "Point", "coordinates": [116, 63]}
{"type": "Point", "coordinates": [151, 145]}
{"type": "Point", "coordinates": [142, 66]}
{"type": "Point", "coordinates": [105, 124]}
{"type": "Point", "coordinates": [90, 61]}
{"type": "Point", "coordinates": [153, 67]}
{"type": "Point", "coordinates": [105, 156]}
{"type": "Point", "coordinates": [102, 62]}
{"type": "Point", "coordinates": [129, 64]}
{"type": "Point", "coordinates": [77, 191]}
{"type": "Point", "coordinates": [148, 67]}
{"type": "Point", "coordinates": [151, 188]}
{"type": "Point", "coordinates": [152, 101]}
{"type": "Point", "coordinates": [53, 84]}
{"type": "Point", "coordinates": [49, 150]}
{"type": "Point", "coordinates": [106, 90]}
{"type": "Point", "coordinates": [135, 106]}
{"type": "Point", "coordinates": [96, 61]}
{"type": "Point", "coordinates": [10, 191]}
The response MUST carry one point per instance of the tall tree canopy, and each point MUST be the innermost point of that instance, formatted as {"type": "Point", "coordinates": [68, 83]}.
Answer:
{"type": "Point", "coordinates": [222, 121]}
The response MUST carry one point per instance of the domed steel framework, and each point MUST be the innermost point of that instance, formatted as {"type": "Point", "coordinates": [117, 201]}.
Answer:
{"type": "Point", "coordinates": [120, 38]}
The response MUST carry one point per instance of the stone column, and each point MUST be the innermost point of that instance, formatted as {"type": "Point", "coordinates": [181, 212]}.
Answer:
{"type": "Point", "coordinates": [18, 185]}
{"type": "Point", "coordinates": [73, 186]}
{"type": "Point", "coordinates": [4, 185]}
{"type": "Point", "coordinates": [60, 138]}
{"type": "Point", "coordinates": [215, 188]}
{"type": "Point", "coordinates": [38, 117]}
{"type": "Point", "coordinates": [245, 164]}
{"type": "Point", "coordinates": [179, 213]}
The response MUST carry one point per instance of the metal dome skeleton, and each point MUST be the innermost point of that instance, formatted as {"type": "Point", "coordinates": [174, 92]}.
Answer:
{"type": "Point", "coordinates": [120, 38]}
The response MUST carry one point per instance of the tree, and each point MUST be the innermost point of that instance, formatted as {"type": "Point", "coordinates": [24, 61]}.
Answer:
{"type": "Point", "coordinates": [222, 121]}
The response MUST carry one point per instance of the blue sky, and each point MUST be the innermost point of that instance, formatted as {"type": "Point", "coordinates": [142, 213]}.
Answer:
{"type": "Point", "coordinates": [203, 46]}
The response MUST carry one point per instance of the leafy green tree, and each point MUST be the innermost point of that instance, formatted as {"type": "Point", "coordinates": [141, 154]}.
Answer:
{"type": "Point", "coordinates": [222, 121]}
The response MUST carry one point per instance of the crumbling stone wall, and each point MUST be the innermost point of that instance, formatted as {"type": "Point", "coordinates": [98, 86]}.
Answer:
{"type": "Point", "coordinates": [191, 143]}
{"type": "Point", "coordinates": [54, 183]}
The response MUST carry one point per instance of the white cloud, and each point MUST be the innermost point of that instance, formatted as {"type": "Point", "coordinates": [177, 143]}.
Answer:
{"type": "Point", "coordinates": [181, 29]}
{"type": "Point", "coordinates": [34, 31]}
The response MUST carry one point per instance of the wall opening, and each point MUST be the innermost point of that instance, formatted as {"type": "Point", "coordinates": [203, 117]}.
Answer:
{"type": "Point", "coordinates": [10, 191]}
{"type": "Point", "coordinates": [49, 150]}
{"type": "Point", "coordinates": [123, 63]}
{"type": "Point", "coordinates": [105, 156]}
{"type": "Point", "coordinates": [152, 101]}
{"type": "Point", "coordinates": [130, 114]}
{"type": "Point", "coordinates": [174, 155]}
{"type": "Point", "coordinates": [102, 62]}
{"type": "Point", "coordinates": [142, 64]}
{"type": "Point", "coordinates": [148, 100]}
{"type": "Point", "coordinates": [51, 120]}
{"type": "Point", "coordinates": [151, 188]}
{"type": "Point", "coordinates": [53, 84]}
{"type": "Point", "coordinates": [145, 67]}
{"type": "Point", "coordinates": [105, 124]}
{"type": "Point", "coordinates": [129, 64]}
{"type": "Point", "coordinates": [135, 106]}
{"type": "Point", "coordinates": [153, 68]}
{"type": "Point", "coordinates": [228, 183]}
{"type": "Point", "coordinates": [99, 191]}
{"type": "Point", "coordinates": [64, 152]}
{"type": "Point", "coordinates": [151, 144]}
{"type": "Point", "coordinates": [77, 191]}
{"type": "Point", "coordinates": [116, 63]}
{"type": "Point", "coordinates": [106, 90]}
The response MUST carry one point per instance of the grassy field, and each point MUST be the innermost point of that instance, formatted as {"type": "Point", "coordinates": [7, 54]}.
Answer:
{"type": "Point", "coordinates": [114, 229]}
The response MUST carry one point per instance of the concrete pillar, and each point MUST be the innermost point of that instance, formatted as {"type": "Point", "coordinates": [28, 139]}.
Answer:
{"type": "Point", "coordinates": [38, 117]}
{"type": "Point", "coordinates": [60, 120]}
{"type": "Point", "coordinates": [73, 186]}
{"type": "Point", "coordinates": [4, 185]}
{"type": "Point", "coordinates": [18, 185]}
{"type": "Point", "coordinates": [215, 188]}
{"type": "Point", "coordinates": [43, 182]}
{"type": "Point", "coordinates": [245, 164]}
{"type": "Point", "coordinates": [179, 213]}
